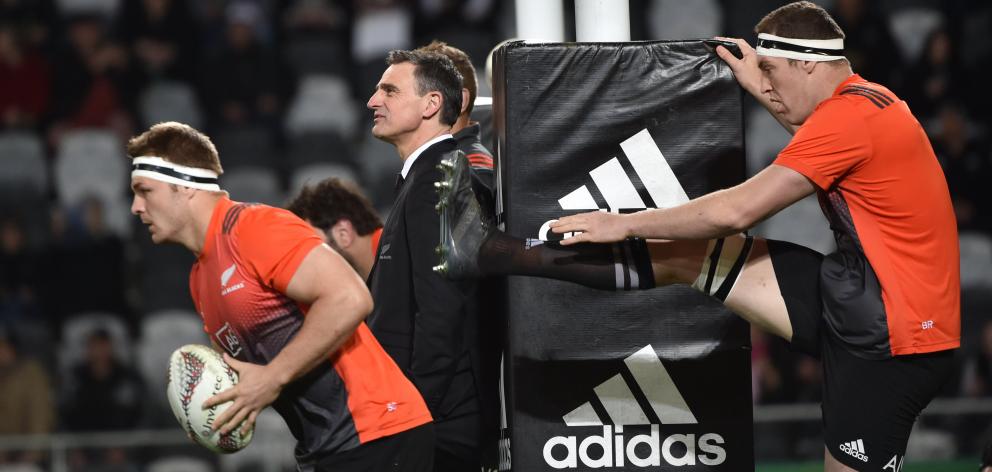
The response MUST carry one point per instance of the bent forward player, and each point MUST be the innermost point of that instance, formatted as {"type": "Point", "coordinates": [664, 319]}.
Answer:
{"type": "Point", "coordinates": [286, 309]}
{"type": "Point", "coordinates": [882, 312]}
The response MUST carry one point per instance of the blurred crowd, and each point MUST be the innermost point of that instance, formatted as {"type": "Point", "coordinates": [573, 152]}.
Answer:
{"type": "Point", "coordinates": [89, 307]}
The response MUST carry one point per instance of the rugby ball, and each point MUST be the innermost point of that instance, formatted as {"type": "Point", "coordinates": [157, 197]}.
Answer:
{"type": "Point", "coordinates": [196, 373]}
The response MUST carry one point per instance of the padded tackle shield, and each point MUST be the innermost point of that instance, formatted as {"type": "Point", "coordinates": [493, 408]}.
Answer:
{"type": "Point", "coordinates": [651, 380]}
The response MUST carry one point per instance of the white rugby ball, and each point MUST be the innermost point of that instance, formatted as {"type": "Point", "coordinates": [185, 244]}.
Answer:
{"type": "Point", "coordinates": [196, 373]}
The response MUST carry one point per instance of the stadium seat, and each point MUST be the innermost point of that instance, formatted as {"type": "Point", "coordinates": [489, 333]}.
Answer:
{"type": "Point", "coordinates": [179, 464]}
{"type": "Point", "coordinates": [254, 185]}
{"type": "Point", "coordinates": [313, 173]}
{"type": "Point", "coordinates": [245, 146]}
{"type": "Point", "coordinates": [911, 27]}
{"type": "Point", "coordinates": [162, 332]}
{"type": "Point", "coordinates": [380, 30]}
{"type": "Point", "coordinates": [322, 103]}
{"type": "Point", "coordinates": [91, 163]}
{"type": "Point", "coordinates": [77, 329]}
{"type": "Point", "coordinates": [170, 101]}
{"type": "Point", "coordinates": [24, 184]}
{"type": "Point", "coordinates": [163, 273]}
{"type": "Point", "coordinates": [318, 147]}
{"type": "Point", "coordinates": [976, 260]}
{"type": "Point", "coordinates": [271, 447]}
{"type": "Point", "coordinates": [106, 8]}
{"type": "Point", "coordinates": [20, 468]}
{"type": "Point", "coordinates": [316, 55]}
{"type": "Point", "coordinates": [23, 161]}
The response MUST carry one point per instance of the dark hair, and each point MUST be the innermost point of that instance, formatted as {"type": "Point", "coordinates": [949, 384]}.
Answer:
{"type": "Point", "coordinates": [462, 63]}
{"type": "Point", "coordinates": [800, 20]}
{"type": "Point", "coordinates": [333, 200]}
{"type": "Point", "coordinates": [434, 73]}
{"type": "Point", "coordinates": [177, 143]}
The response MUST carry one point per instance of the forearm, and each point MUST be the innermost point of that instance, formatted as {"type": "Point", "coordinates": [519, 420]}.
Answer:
{"type": "Point", "coordinates": [707, 217]}
{"type": "Point", "coordinates": [327, 325]}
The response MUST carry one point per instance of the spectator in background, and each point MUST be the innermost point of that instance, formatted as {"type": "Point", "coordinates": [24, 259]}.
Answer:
{"type": "Point", "coordinates": [976, 382]}
{"type": "Point", "coordinates": [868, 44]}
{"type": "Point", "coordinates": [92, 80]}
{"type": "Point", "coordinates": [84, 264]}
{"type": "Point", "coordinates": [34, 18]}
{"type": "Point", "coordinates": [471, 24]}
{"type": "Point", "coordinates": [101, 394]}
{"type": "Point", "coordinates": [242, 81]}
{"type": "Point", "coordinates": [935, 77]}
{"type": "Point", "coordinates": [25, 397]}
{"type": "Point", "coordinates": [18, 273]}
{"type": "Point", "coordinates": [344, 218]}
{"type": "Point", "coordinates": [977, 379]}
{"type": "Point", "coordinates": [965, 163]}
{"type": "Point", "coordinates": [163, 38]}
{"type": "Point", "coordinates": [24, 80]}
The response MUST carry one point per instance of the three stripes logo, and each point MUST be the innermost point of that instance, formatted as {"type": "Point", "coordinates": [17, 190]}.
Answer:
{"type": "Point", "coordinates": [661, 189]}
{"type": "Point", "coordinates": [855, 449]}
{"type": "Point", "coordinates": [616, 405]}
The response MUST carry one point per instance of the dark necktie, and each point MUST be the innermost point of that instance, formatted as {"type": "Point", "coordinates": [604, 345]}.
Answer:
{"type": "Point", "coordinates": [399, 183]}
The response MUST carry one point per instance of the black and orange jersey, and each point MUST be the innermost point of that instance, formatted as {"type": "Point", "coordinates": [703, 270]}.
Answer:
{"type": "Point", "coordinates": [893, 286]}
{"type": "Point", "coordinates": [238, 284]}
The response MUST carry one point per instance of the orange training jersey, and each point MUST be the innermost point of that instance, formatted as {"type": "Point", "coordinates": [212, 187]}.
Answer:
{"type": "Point", "coordinates": [238, 283]}
{"type": "Point", "coordinates": [893, 285]}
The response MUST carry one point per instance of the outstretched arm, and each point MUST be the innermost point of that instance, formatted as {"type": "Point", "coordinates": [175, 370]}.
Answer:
{"type": "Point", "coordinates": [715, 215]}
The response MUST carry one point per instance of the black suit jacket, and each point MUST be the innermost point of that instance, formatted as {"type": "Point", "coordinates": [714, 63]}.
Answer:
{"type": "Point", "coordinates": [424, 321]}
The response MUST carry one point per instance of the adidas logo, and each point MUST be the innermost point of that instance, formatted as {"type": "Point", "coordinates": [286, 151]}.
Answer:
{"type": "Point", "coordinates": [617, 189]}
{"type": "Point", "coordinates": [616, 405]}
{"type": "Point", "coordinates": [855, 449]}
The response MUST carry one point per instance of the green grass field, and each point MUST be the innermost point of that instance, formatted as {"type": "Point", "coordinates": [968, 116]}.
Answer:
{"type": "Point", "coordinates": [963, 465]}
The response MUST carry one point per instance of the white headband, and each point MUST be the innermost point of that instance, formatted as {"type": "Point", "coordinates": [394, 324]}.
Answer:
{"type": "Point", "coordinates": [160, 169]}
{"type": "Point", "coordinates": [800, 49]}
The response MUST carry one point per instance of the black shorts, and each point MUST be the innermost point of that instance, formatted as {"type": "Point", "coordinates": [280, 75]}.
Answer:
{"type": "Point", "coordinates": [869, 405]}
{"type": "Point", "coordinates": [411, 450]}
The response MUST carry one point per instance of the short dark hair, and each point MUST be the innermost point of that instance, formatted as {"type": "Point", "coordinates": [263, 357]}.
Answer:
{"type": "Point", "coordinates": [333, 200]}
{"type": "Point", "coordinates": [434, 72]}
{"type": "Point", "coordinates": [464, 66]}
{"type": "Point", "coordinates": [177, 143]}
{"type": "Point", "coordinates": [800, 20]}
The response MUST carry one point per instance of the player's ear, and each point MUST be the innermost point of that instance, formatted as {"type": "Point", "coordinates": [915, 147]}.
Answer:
{"type": "Point", "coordinates": [465, 98]}
{"type": "Point", "coordinates": [344, 233]}
{"type": "Point", "coordinates": [433, 106]}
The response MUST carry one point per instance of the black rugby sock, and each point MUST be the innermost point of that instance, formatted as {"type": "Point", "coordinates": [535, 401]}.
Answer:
{"type": "Point", "coordinates": [619, 266]}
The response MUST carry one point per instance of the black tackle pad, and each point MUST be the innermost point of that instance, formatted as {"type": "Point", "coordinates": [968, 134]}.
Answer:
{"type": "Point", "coordinates": [651, 380]}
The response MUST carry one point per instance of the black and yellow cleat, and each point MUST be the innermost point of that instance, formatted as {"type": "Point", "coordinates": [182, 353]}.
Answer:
{"type": "Point", "coordinates": [464, 224]}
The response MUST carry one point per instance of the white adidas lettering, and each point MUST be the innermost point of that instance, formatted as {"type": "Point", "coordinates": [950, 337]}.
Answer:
{"type": "Point", "coordinates": [895, 463]}
{"type": "Point", "coordinates": [618, 189]}
{"type": "Point", "coordinates": [622, 408]}
{"type": "Point", "coordinates": [855, 449]}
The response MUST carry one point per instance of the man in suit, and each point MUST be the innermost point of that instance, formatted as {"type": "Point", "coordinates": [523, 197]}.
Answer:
{"type": "Point", "coordinates": [424, 321]}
